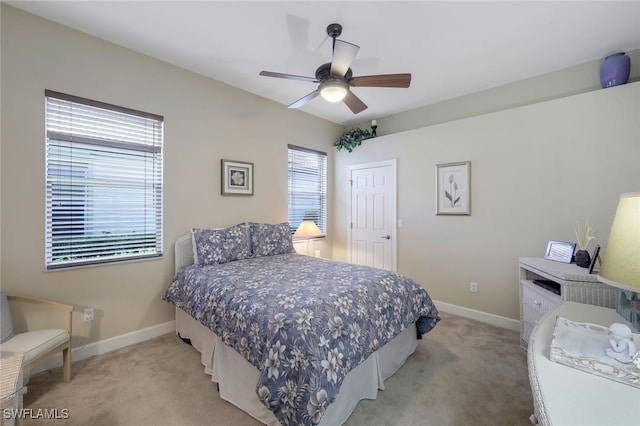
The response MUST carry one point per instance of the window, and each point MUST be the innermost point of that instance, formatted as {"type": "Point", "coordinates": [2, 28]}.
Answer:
{"type": "Point", "coordinates": [307, 187]}
{"type": "Point", "coordinates": [103, 182]}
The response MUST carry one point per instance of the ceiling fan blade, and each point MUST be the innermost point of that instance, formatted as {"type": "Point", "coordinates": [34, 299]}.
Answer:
{"type": "Point", "coordinates": [382, 80]}
{"type": "Point", "coordinates": [300, 102]}
{"type": "Point", "coordinates": [354, 103]}
{"type": "Point", "coordinates": [289, 76]}
{"type": "Point", "coordinates": [343, 54]}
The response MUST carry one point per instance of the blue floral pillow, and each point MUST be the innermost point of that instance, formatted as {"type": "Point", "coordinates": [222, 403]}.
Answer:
{"type": "Point", "coordinates": [212, 246]}
{"type": "Point", "coordinates": [269, 240]}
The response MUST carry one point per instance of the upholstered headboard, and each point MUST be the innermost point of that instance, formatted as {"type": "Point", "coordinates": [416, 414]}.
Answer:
{"type": "Point", "coordinates": [184, 252]}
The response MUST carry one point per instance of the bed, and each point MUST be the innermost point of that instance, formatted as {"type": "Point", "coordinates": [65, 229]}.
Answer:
{"type": "Point", "coordinates": [292, 339]}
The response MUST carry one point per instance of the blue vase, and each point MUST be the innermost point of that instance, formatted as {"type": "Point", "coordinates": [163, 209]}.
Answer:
{"type": "Point", "coordinates": [614, 71]}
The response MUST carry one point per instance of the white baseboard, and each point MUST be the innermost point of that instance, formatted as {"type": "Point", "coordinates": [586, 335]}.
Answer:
{"type": "Point", "coordinates": [108, 345]}
{"type": "Point", "coordinates": [497, 320]}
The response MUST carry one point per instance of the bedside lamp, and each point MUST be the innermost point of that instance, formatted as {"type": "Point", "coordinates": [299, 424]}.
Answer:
{"type": "Point", "coordinates": [621, 269]}
{"type": "Point", "coordinates": [308, 229]}
{"type": "Point", "coordinates": [621, 264]}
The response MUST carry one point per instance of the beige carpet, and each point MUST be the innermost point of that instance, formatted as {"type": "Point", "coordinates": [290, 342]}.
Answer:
{"type": "Point", "coordinates": [462, 373]}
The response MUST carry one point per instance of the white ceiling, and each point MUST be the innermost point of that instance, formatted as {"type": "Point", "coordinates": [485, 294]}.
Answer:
{"type": "Point", "coordinates": [451, 48]}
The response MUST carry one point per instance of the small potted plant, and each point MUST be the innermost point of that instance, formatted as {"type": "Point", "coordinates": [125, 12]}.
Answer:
{"type": "Point", "coordinates": [352, 138]}
{"type": "Point", "coordinates": [583, 236]}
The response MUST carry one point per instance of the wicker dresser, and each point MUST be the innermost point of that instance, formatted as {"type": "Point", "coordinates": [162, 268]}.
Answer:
{"type": "Point", "coordinates": [575, 284]}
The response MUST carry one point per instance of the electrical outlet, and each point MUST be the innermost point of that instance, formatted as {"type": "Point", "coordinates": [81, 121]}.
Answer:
{"type": "Point", "coordinates": [88, 314]}
{"type": "Point", "coordinates": [473, 288]}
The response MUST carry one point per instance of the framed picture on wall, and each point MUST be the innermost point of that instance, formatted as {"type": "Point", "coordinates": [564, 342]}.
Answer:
{"type": "Point", "coordinates": [453, 188]}
{"type": "Point", "coordinates": [237, 177]}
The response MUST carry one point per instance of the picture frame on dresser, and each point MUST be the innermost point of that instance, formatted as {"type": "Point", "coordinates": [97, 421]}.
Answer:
{"type": "Point", "coordinates": [594, 259]}
{"type": "Point", "coordinates": [560, 251]}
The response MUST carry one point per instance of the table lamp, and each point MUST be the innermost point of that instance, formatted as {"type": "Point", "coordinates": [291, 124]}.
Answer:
{"type": "Point", "coordinates": [621, 264]}
{"type": "Point", "coordinates": [308, 229]}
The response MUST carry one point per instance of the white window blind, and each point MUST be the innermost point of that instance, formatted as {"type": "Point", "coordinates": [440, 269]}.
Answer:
{"type": "Point", "coordinates": [307, 187]}
{"type": "Point", "coordinates": [103, 182]}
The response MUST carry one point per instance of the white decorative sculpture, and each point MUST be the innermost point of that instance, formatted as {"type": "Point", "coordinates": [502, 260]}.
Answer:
{"type": "Point", "coordinates": [622, 347]}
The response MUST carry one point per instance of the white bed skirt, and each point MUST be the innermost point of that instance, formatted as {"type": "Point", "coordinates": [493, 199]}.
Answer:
{"type": "Point", "coordinates": [237, 378]}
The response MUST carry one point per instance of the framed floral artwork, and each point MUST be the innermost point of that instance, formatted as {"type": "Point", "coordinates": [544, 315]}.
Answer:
{"type": "Point", "coordinates": [237, 177]}
{"type": "Point", "coordinates": [453, 188]}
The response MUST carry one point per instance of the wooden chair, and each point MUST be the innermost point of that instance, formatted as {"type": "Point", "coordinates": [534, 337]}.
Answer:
{"type": "Point", "coordinates": [39, 345]}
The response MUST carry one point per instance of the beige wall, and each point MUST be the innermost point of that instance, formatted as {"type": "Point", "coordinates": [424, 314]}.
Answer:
{"type": "Point", "coordinates": [204, 121]}
{"type": "Point", "coordinates": [536, 171]}
{"type": "Point", "coordinates": [558, 84]}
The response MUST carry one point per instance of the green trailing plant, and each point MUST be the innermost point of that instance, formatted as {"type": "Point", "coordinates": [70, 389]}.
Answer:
{"type": "Point", "coordinates": [352, 138]}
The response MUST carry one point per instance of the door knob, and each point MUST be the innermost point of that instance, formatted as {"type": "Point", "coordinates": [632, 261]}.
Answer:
{"type": "Point", "coordinates": [387, 237]}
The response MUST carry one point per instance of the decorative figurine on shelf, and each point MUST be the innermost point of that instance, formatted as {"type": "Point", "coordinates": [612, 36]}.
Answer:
{"type": "Point", "coordinates": [622, 348]}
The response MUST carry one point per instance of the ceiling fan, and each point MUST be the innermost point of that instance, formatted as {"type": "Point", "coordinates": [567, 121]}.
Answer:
{"type": "Point", "coordinates": [336, 77]}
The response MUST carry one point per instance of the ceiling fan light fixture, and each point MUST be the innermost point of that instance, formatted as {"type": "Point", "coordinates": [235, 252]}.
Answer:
{"type": "Point", "coordinates": [333, 90]}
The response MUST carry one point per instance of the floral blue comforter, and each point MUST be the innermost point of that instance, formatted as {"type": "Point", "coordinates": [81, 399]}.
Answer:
{"type": "Point", "coordinates": [303, 322]}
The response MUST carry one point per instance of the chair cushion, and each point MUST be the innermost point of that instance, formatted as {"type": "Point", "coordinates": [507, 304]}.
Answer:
{"type": "Point", "coordinates": [34, 343]}
{"type": "Point", "coordinates": [5, 319]}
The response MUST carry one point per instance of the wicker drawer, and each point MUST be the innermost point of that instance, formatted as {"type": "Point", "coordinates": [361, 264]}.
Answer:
{"type": "Point", "coordinates": [527, 328]}
{"type": "Point", "coordinates": [536, 302]}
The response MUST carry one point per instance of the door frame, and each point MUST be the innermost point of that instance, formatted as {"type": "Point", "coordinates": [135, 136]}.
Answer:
{"type": "Point", "coordinates": [393, 163]}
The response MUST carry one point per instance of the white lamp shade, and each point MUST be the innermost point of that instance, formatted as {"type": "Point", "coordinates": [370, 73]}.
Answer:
{"type": "Point", "coordinates": [308, 229]}
{"type": "Point", "coordinates": [333, 90]}
{"type": "Point", "coordinates": [621, 265]}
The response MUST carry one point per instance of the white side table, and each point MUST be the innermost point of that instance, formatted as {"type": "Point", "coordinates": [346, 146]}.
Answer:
{"type": "Point", "coordinates": [567, 396]}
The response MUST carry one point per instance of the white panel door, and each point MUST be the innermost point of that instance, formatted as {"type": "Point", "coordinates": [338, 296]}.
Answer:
{"type": "Point", "coordinates": [373, 215]}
